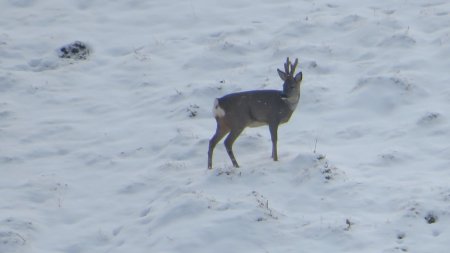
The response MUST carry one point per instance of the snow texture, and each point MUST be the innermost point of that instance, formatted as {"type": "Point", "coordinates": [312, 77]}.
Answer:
{"type": "Point", "coordinates": [109, 154]}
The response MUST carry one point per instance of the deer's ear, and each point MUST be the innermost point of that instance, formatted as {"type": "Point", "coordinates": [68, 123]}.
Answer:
{"type": "Point", "coordinates": [282, 75]}
{"type": "Point", "coordinates": [298, 77]}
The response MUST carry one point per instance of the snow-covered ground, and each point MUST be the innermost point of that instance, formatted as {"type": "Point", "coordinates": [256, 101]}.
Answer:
{"type": "Point", "coordinates": [108, 154]}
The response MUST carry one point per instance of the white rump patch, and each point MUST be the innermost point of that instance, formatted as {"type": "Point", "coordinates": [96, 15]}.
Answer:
{"type": "Point", "coordinates": [217, 110]}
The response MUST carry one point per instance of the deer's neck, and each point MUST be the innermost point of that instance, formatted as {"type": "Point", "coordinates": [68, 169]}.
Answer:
{"type": "Point", "coordinates": [292, 101]}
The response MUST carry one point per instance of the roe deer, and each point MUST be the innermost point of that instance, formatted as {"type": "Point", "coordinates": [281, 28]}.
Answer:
{"type": "Point", "coordinates": [236, 111]}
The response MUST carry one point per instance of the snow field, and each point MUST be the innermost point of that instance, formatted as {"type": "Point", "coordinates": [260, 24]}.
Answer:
{"type": "Point", "coordinates": [109, 154]}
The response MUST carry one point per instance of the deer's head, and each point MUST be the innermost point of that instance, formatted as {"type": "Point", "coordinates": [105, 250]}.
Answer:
{"type": "Point", "coordinates": [291, 85]}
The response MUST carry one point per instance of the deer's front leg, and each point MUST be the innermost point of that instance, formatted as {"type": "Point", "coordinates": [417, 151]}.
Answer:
{"type": "Point", "coordinates": [274, 136]}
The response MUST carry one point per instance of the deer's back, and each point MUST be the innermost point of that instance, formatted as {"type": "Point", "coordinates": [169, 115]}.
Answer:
{"type": "Point", "coordinates": [255, 108]}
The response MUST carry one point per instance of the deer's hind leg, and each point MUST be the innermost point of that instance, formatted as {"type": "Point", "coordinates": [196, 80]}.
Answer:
{"type": "Point", "coordinates": [221, 130]}
{"type": "Point", "coordinates": [234, 133]}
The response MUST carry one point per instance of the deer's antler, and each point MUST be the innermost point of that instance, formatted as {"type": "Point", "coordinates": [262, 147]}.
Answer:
{"type": "Point", "coordinates": [289, 69]}
{"type": "Point", "coordinates": [293, 67]}
{"type": "Point", "coordinates": [286, 66]}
